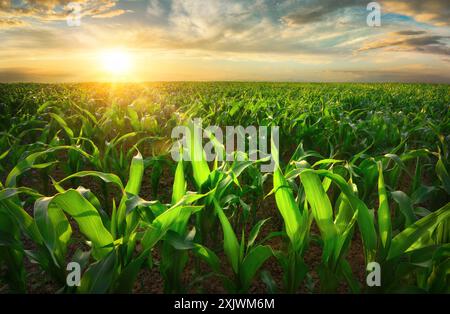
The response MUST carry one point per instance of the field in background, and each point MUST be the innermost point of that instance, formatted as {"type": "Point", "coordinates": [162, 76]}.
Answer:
{"type": "Point", "coordinates": [363, 176]}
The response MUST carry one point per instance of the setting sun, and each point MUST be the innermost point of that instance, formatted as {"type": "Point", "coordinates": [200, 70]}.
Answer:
{"type": "Point", "coordinates": [116, 61]}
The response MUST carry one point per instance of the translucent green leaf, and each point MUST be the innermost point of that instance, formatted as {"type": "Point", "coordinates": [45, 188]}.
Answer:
{"type": "Point", "coordinates": [384, 213]}
{"type": "Point", "coordinates": [88, 220]}
{"type": "Point", "coordinates": [251, 264]}
{"type": "Point", "coordinates": [408, 237]}
{"type": "Point", "coordinates": [230, 242]}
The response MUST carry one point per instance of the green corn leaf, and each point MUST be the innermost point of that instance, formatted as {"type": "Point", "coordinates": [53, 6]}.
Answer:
{"type": "Point", "coordinates": [163, 222]}
{"type": "Point", "coordinates": [113, 227]}
{"type": "Point", "coordinates": [179, 185]}
{"type": "Point", "coordinates": [88, 219]}
{"type": "Point", "coordinates": [255, 231]}
{"type": "Point", "coordinates": [230, 242]}
{"type": "Point", "coordinates": [134, 119]}
{"type": "Point", "coordinates": [321, 209]}
{"type": "Point", "coordinates": [398, 161]}
{"type": "Point", "coordinates": [327, 162]}
{"type": "Point", "coordinates": [403, 241]}
{"type": "Point", "coordinates": [443, 175]}
{"type": "Point", "coordinates": [349, 277]}
{"type": "Point", "coordinates": [127, 277]}
{"type": "Point", "coordinates": [199, 165]}
{"type": "Point", "coordinates": [134, 202]}
{"type": "Point", "coordinates": [288, 208]}
{"type": "Point", "coordinates": [12, 254]}
{"type": "Point", "coordinates": [133, 187]}
{"type": "Point", "coordinates": [343, 240]}
{"type": "Point", "coordinates": [268, 280]}
{"type": "Point", "coordinates": [251, 264]}
{"type": "Point", "coordinates": [63, 124]}
{"type": "Point", "coordinates": [365, 220]}
{"type": "Point", "coordinates": [208, 256]}
{"type": "Point", "coordinates": [106, 177]}
{"type": "Point", "coordinates": [54, 228]}
{"type": "Point", "coordinates": [23, 219]}
{"type": "Point", "coordinates": [11, 192]}
{"type": "Point", "coordinates": [136, 175]}
{"type": "Point", "coordinates": [44, 106]}
{"type": "Point", "coordinates": [99, 277]}
{"type": "Point", "coordinates": [384, 213]}
{"type": "Point", "coordinates": [29, 161]}
{"type": "Point", "coordinates": [119, 139]}
{"type": "Point", "coordinates": [422, 193]}
{"type": "Point", "coordinates": [177, 241]}
{"type": "Point", "coordinates": [345, 213]}
{"type": "Point", "coordinates": [91, 198]}
{"type": "Point", "coordinates": [242, 246]}
{"type": "Point", "coordinates": [405, 205]}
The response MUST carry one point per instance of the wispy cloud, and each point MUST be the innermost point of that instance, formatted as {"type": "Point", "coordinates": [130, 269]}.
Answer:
{"type": "Point", "coordinates": [317, 11]}
{"type": "Point", "coordinates": [418, 41]}
{"type": "Point", "coordinates": [11, 22]}
{"type": "Point", "coordinates": [56, 10]}
{"type": "Point", "coordinates": [436, 12]}
{"type": "Point", "coordinates": [111, 13]}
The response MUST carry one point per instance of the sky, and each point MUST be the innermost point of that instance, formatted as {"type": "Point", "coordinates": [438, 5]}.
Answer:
{"type": "Point", "coordinates": [221, 40]}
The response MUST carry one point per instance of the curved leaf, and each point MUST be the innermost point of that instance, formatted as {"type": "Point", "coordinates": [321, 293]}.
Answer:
{"type": "Point", "coordinates": [408, 237]}
{"type": "Point", "coordinates": [251, 264]}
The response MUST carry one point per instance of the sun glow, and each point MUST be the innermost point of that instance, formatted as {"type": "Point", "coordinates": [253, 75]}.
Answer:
{"type": "Point", "coordinates": [116, 61]}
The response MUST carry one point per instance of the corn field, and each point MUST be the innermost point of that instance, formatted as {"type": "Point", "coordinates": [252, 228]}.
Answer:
{"type": "Point", "coordinates": [361, 176]}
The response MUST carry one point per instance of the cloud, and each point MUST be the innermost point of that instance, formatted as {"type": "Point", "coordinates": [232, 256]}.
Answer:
{"type": "Point", "coordinates": [256, 28]}
{"type": "Point", "coordinates": [110, 14]}
{"type": "Point", "coordinates": [57, 10]}
{"type": "Point", "coordinates": [9, 23]}
{"type": "Point", "coordinates": [157, 8]}
{"type": "Point", "coordinates": [436, 12]}
{"type": "Point", "coordinates": [40, 39]}
{"type": "Point", "coordinates": [410, 33]}
{"type": "Point", "coordinates": [316, 11]}
{"type": "Point", "coordinates": [412, 41]}
{"type": "Point", "coordinates": [253, 26]}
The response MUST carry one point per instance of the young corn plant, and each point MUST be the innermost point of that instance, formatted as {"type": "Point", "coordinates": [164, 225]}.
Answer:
{"type": "Point", "coordinates": [297, 222]}
{"type": "Point", "coordinates": [15, 218]}
{"type": "Point", "coordinates": [245, 258]}
{"type": "Point", "coordinates": [133, 220]}
{"type": "Point", "coordinates": [178, 241]}
{"type": "Point", "coordinates": [418, 254]}
{"type": "Point", "coordinates": [335, 224]}
{"type": "Point", "coordinates": [12, 251]}
{"type": "Point", "coordinates": [112, 240]}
